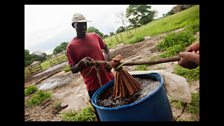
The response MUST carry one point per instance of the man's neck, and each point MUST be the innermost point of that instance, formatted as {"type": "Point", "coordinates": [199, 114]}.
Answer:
{"type": "Point", "coordinates": [81, 36]}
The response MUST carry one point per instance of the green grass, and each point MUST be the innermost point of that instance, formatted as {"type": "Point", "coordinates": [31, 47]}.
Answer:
{"type": "Point", "coordinates": [188, 18]}
{"type": "Point", "coordinates": [67, 68]}
{"type": "Point", "coordinates": [38, 98]}
{"type": "Point", "coordinates": [189, 74]}
{"type": "Point", "coordinates": [30, 89]}
{"type": "Point", "coordinates": [171, 51]}
{"type": "Point", "coordinates": [87, 114]}
{"type": "Point", "coordinates": [135, 40]}
{"type": "Point", "coordinates": [141, 67]}
{"type": "Point", "coordinates": [192, 107]}
{"type": "Point", "coordinates": [45, 65]}
{"type": "Point", "coordinates": [174, 43]}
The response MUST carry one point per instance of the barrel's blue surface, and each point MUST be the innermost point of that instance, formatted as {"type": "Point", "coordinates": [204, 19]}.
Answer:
{"type": "Point", "coordinates": [154, 107]}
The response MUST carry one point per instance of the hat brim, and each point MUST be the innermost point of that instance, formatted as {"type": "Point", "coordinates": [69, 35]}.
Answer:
{"type": "Point", "coordinates": [82, 21]}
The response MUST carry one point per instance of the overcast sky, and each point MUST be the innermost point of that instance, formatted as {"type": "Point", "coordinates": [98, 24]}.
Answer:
{"type": "Point", "coordinates": [46, 26]}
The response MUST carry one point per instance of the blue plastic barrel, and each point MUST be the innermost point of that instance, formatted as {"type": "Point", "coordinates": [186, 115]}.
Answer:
{"type": "Point", "coordinates": [153, 107]}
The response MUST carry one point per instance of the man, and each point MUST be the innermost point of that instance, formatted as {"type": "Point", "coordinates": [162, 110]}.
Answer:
{"type": "Point", "coordinates": [82, 50]}
{"type": "Point", "coordinates": [190, 58]}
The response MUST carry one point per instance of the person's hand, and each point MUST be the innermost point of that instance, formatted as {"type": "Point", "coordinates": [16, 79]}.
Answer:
{"type": "Point", "coordinates": [193, 47]}
{"type": "Point", "coordinates": [108, 67]}
{"type": "Point", "coordinates": [87, 61]}
{"type": "Point", "coordinates": [189, 59]}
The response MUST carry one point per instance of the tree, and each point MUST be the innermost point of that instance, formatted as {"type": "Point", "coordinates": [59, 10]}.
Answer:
{"type": "Point", "coordinates": [177, 9]}
{"type": "Point", "coordinates": [28, 58]}
{"type": "Point", "coordinates": [93, 29]}
{"type": "Point", "coordinates": [124, 22]}
{"type": "Point", "coordinates": [105, 36]}
{"type": "Point", "coordinates": [120, 29]}
{"type": "Point", "coordinates": [60, 48]}
{"type": "Point", "coordinates": [139, 14]}
{"type": "Point", "coordinates": [111, 33]}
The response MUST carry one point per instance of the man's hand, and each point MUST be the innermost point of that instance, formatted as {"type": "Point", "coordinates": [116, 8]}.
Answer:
{"type": "Point", "coordinates": [87, 61]}
{"type": "Point", "coordinates": [108, 67]}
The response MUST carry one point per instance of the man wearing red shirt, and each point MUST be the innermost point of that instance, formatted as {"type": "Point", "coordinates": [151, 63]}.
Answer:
{"type": "Point", "coordinates": [83, 49]}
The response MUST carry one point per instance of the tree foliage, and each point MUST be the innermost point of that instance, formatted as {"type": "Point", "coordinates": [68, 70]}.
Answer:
{"type": "Point", "coordinates": [93, 29]}
{"type": "Point", "coordinates": [29, 58]}
{"type": "Point", "coordinates": [120, 29]}
{"type": "Point", "coordinates": [139, 14]}
{"type": "Point", "coordinates": [60, 48]}
{"type": "Point", "coordinates": [177, 9]}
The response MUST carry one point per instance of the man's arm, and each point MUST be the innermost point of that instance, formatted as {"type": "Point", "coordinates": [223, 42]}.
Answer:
{"type": "Point", "coordinates": [107, 53]}
{"type": "Point", "coordinates": [84, 63]}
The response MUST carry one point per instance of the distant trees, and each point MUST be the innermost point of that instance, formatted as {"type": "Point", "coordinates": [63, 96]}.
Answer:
{"type": "Point", "coordinates": [105, 36]}
{"type": "Point", "coordinates": [139, 14]}
{"type": "Point", "coordinates": [120, 29]}
{"type": "Point", "coordinates": [29, 58]}
{"type": "Point", "coordinates": [93, 29]}
{"type": "Point", "coordinates": [177, 9]}
{"type": "Point", "coordinates": [60, 48]}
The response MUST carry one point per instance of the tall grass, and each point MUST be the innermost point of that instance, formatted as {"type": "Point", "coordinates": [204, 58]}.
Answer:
{"type": "Point", "coordinates": [188, 18]}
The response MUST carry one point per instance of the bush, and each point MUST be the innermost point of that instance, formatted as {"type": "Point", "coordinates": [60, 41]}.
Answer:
{"type": "Point", "coordinates": [192, 107]}
{"type": "Point", "coordinates": [175, 42]}
{"type": "Point", "coordinates": [135, 40]}
{"type": "Point", "coordinates": [190, 74]}
{"type": "Point", "coordinates": [30, 89]}
{"type": "Point", "coordinates": [183, 38]}
{"type": "Point", "coordinates": [171, 51]}
{"type": "Point", "coordinates": [87, 114]}
{"type": "Point", "coordinates": [67, 68]}
{"type": "Point", "coordinates": [38, 98]}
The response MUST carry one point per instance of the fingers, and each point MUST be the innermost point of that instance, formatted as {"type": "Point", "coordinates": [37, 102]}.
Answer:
{"type": "Point", "coordinates": [193, 47]}
{"type": "Point", "coordinates": [189, 59]}
{"type": "Point", "coordinates": [90, 59]}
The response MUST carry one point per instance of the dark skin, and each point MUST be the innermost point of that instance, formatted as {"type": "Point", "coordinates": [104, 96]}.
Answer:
{"type": "Point", "coordinates": [81, 28]}
{"type": "Point", "coordinates": [190, 57]}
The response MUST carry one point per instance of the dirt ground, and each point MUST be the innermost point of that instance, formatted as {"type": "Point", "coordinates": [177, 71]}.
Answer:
{"type": "Point", "coordinates": [74, 93]}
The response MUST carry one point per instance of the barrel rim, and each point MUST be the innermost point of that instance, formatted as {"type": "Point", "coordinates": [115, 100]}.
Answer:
{"type": "Point", "coordinates": [134, 103]}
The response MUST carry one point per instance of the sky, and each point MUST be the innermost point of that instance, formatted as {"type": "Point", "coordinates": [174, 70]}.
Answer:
{"type": "Point", "coordinates": [47, 26]}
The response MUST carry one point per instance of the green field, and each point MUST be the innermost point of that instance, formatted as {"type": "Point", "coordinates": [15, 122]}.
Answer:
{"type": "Point", "coordinates": [188, 18]}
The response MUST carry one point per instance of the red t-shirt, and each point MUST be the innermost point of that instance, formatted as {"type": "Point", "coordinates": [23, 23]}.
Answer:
{"type": "Point", "coordinates": [90, 46]}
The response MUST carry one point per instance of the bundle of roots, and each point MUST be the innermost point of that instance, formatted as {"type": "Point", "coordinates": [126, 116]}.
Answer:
{"type": "Point", "coordinates": [124, 83]}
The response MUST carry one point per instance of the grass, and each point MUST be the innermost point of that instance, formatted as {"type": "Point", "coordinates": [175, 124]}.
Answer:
{"type": "Point", "coordinates": [30, 89]}
{"type": "Point", "coordinates": [189, 74]}
{"type": "Point", "coordinates": [188, 18]}
{"type": "Point", "coordinates": [174, 43]}
{"type": "Point", "coordinates": [87, 114]}
{"type": "Point", "coordinates": [135, 40]}
{"type": "Point", "coordinates": [38, 98]}
{"type": "Point", "coordinates": [192, 107]}
{"type": "Point", "coordinates": [141, 67]}
{"type": "Point", "coordinates": [45, 65]}
{"type": "Point", "coordinates": [67, 68]}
